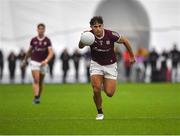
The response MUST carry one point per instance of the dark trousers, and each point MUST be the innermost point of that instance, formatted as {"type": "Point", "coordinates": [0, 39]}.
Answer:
{"type": "Point", "coordinates": [64, 75]}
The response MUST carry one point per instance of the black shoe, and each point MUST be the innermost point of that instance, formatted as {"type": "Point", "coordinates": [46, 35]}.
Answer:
{"type": "Point", "coordinates": [36, 101]}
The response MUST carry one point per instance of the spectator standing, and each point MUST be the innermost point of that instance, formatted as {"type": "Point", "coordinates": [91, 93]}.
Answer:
{"type": "Point", "coordinates": [87, 57]}
{"type": "Point", "coordinates": [12, 65]}
{"type": "Point", "coordinates": [153, 58]}
{"type": "Point", "coordinates": [65, 57]}
{"type": "Point", "coordinates": [51, 66]}
{"type": "Point", "coordinates": [1, 64]}
{"type": "Point", "coordinates": [175, 58]}
{"type": "Point", "coordinates": [76, 59]}
{"type": "Point", "coordinates": [21, 57]}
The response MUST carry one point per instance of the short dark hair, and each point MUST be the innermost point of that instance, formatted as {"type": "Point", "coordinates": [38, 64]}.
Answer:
{"type": "Point", "coordinates": [96, 19]}
{"type": "Point", "coordinates": [41, 25]}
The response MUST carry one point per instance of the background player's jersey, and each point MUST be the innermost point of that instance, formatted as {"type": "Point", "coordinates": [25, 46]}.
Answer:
{"type": "Point", "coordinates": [102, 51]}
{"type": "Point", "coordinates": [39, 48]}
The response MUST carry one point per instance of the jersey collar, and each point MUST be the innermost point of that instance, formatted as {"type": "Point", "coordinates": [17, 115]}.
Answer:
{"type": "Point", "coordinates": [101, 36]}
{"type": "Point", "coordinates": [40, 39]}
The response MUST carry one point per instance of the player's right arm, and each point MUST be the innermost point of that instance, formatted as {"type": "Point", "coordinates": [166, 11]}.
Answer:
{"type": "Point", "coordinates": [81, 45]}
{"type": "Point", "coordinates": [28, 54]}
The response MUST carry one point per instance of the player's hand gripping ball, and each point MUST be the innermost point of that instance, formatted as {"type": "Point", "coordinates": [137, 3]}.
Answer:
{"type": "Point", "coordinates": [87, 38]}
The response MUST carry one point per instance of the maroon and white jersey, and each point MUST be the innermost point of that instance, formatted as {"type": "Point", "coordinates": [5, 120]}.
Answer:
{"type": "Point", "coordinates": [40, 48]}
{"type": "Point", "coordinates": [102, 50]}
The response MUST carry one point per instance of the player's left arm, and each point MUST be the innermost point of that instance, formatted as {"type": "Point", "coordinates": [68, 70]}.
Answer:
{"type": "Point", "coordinates": [123, 40]}
{"type": "Point", "coordinates": [49, 57]}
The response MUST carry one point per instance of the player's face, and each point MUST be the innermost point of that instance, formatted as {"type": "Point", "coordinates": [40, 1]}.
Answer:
{"type": "Point", "coordinates": [97, 29]}
{"type": "Point", "coordinates": [41, 31]}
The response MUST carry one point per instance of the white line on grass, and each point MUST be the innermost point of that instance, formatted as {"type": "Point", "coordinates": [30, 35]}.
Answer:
{"type": "Point", "coordinates": [90, 118]}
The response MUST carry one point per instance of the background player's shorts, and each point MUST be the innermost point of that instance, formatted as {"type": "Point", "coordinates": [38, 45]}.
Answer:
{"type": "Point", "coordinates": [108, 71]}
{"type": "Point", "coordinates": [37, 66]}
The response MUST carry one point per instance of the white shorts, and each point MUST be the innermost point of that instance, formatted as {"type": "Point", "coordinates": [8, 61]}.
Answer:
{"type": "Point", "coordinates": [37, 66]}
{"type": "Point", "coordinates": [108, 71]}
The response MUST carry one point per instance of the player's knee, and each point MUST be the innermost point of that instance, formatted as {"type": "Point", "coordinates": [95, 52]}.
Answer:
{"type": "Point", "coordinates": [96, 88]}
{"type": "Point", "coordinates": [109, 94]}
{"type": "Point", "coordinates": [36, 80]}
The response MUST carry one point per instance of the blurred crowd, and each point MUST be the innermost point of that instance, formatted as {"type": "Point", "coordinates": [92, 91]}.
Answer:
{"type": "Point", "coordinates": [150, 65]}
{"type": "Point", "coordinates": [15, 60]}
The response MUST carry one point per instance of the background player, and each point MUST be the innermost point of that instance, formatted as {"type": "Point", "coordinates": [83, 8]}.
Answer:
{"type": "Point", "coordinates": [103, 67]}
{"type": "Point", "coordinates": [41, 52]}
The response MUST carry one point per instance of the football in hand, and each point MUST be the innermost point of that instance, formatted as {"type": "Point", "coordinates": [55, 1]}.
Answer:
{"type": "Point", "coordinates": [87, 38]}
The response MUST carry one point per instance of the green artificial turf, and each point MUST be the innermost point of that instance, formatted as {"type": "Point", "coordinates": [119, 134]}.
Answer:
{"type": "Point", "coordinates": [69, 109]}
